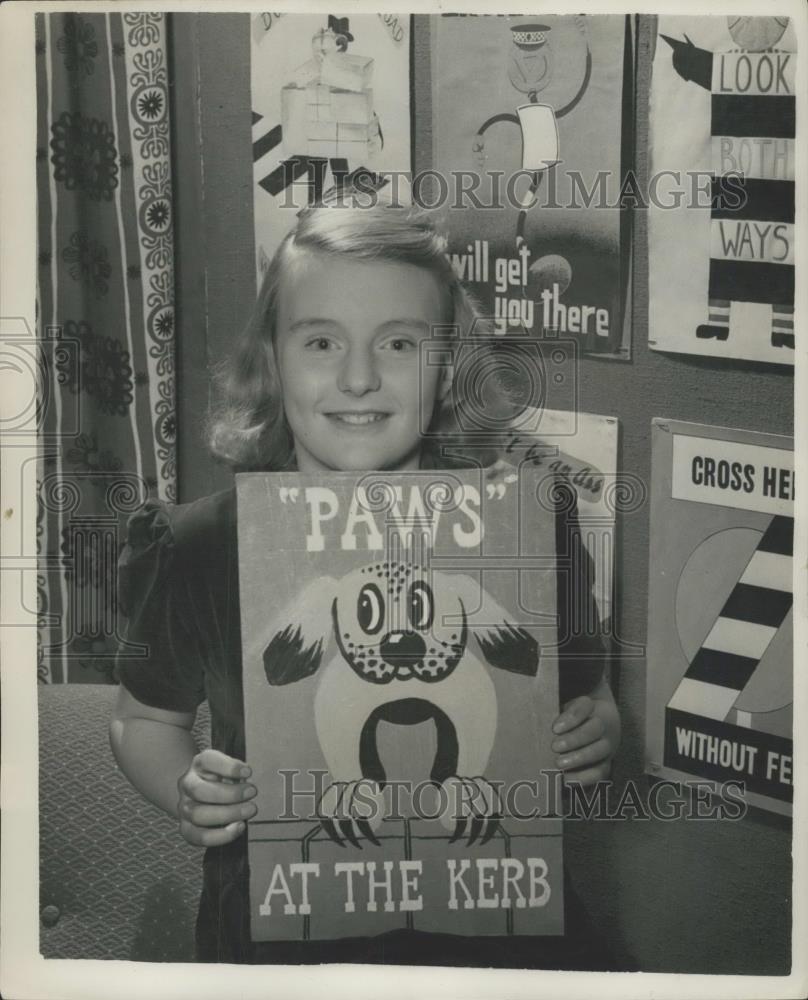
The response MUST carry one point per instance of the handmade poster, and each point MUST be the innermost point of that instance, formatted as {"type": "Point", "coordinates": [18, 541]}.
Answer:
{"type": "Point", "coordinates": [720, 645]}
{"type": "Point", "coordinates": [536, 112]}
{"type": "Point", "coordinates": [581, 447]}
{"type": "Point", "coordinates": [330, 98]}
{"type": "Point", "coordinates": [400, 681]}
{"type": "Point", "coordinates": [722, 132]}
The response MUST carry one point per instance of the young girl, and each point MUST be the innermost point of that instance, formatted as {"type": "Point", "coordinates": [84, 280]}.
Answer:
{"type": "Point", "coordinates": [327, 376]}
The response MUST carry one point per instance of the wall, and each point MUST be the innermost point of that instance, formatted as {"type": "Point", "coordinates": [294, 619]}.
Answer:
{"type": "Point", "coordinates": [700, 897]}
{"type": "Point", "coordinates": [676, 896]}
{"type": "Point", "coordinates": [215, 269]}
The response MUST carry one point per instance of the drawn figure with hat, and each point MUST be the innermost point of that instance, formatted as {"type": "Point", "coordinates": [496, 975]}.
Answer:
{"type": "Point", "coordinates": [332, 39]}
{"type": "Point", "coordinates": [530, 70]}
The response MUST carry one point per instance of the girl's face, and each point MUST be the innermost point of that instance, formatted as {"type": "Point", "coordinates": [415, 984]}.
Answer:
{"type": "Point", "coordinates": [355, 393]}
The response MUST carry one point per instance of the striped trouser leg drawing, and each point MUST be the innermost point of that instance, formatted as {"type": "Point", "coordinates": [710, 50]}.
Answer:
{"type": "Point", "coordinates": [783, 326]}
{"type": "Point", "coordinates": [717, 319]}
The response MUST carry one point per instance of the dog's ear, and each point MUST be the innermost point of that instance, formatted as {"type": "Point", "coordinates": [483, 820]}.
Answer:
{"type": "Point", "coordinates": [510, 647]}
{"type": "Point", "coordinates": [503, 644]}
{"type": "Point", "coordinates": [301, 635]}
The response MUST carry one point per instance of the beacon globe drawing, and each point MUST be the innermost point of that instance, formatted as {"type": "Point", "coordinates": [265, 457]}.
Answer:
{"type": "Point", "coordinates": [552, 269]}
{"type": "Point", "coordinates": [756, 34]}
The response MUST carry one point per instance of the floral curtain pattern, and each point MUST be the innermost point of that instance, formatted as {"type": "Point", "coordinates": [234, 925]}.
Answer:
{"type": "Point", "coordinates": [105, 303]}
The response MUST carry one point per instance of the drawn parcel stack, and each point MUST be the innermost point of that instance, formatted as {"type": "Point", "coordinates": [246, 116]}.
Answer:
{"type": "Point", "coordinates": [327, 109]}
{"type": "Point", "coordinates": [400, 680]}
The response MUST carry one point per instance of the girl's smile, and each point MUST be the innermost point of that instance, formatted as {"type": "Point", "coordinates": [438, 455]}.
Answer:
{"type": "Point", "coordinates": [359, 418]}
{"type": "Point", "coordinates": [356, 393]}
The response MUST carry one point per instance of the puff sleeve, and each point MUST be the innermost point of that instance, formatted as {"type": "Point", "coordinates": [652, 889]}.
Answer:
{"type": "Point", "coordinates": [584, 648]}
{"type": "Point", "coordinates": [160, 659]}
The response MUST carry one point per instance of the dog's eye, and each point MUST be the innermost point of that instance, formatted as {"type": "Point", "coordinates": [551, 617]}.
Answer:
{"type": "Point", "coordinates": [422, 605]}
{"type": "Point", "coordinates": [370, 609]}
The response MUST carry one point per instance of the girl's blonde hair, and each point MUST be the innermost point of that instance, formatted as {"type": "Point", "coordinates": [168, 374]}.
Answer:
{"type": "Point", "coordinates": [247, 427]}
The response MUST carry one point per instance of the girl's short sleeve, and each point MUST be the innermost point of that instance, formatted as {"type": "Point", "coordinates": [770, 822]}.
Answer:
{"type": "Point", "coordinates": [584, 647]}
{"type": "Point", "coordinates": [159, 661]}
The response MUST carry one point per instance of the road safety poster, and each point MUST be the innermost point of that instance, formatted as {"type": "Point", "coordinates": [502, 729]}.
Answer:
{"type": "Point", "coordinates": [720, 644]}
{"type": "Point", "coordinates": [581, 448]}
{"type": "Point", "coordinates": [400, 643]}
{"type": "Point", "coordinates": [722, 154]}
{"type": "Point", "coordinates": [535, 113]}
{"type": "Point", "coordinates": [330, 98]}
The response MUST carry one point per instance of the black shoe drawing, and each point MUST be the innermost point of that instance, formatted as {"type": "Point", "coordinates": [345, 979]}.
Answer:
{"type": "Point", "coordinates": [708, 332]}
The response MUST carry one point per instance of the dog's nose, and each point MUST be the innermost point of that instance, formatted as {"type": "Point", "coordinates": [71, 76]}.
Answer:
{"type": "Point", "coordinates": [402, 650]}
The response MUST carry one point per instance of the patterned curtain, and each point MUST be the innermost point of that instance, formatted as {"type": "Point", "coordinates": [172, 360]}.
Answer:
{"type": "Point", "coordinates": [105, 303]}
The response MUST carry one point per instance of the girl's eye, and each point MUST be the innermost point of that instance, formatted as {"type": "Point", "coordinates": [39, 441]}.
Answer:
{"type": "Point", "coordinates": [401, 344]}
{"type": "Point", "coordinates": [320, 344]}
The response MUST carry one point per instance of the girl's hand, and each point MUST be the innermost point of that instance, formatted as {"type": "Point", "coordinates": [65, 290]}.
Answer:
{"type": "Point", "coordinates": [587, 736]}
{"type": "Point", "coordinates": [214, 799]}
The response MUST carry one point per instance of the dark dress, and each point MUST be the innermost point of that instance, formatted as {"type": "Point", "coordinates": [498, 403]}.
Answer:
{"type": "Point", "coordinates": [178, 588]}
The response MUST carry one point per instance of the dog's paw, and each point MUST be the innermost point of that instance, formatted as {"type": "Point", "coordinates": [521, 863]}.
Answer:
{"type": "Point", "coordinates": [349, 810]}
{"type": "Point", "coordinates": [473, 808]}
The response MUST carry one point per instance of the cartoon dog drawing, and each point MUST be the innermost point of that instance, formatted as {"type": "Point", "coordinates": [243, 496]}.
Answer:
{"type": "Point", "coordinates": [392, 642]}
